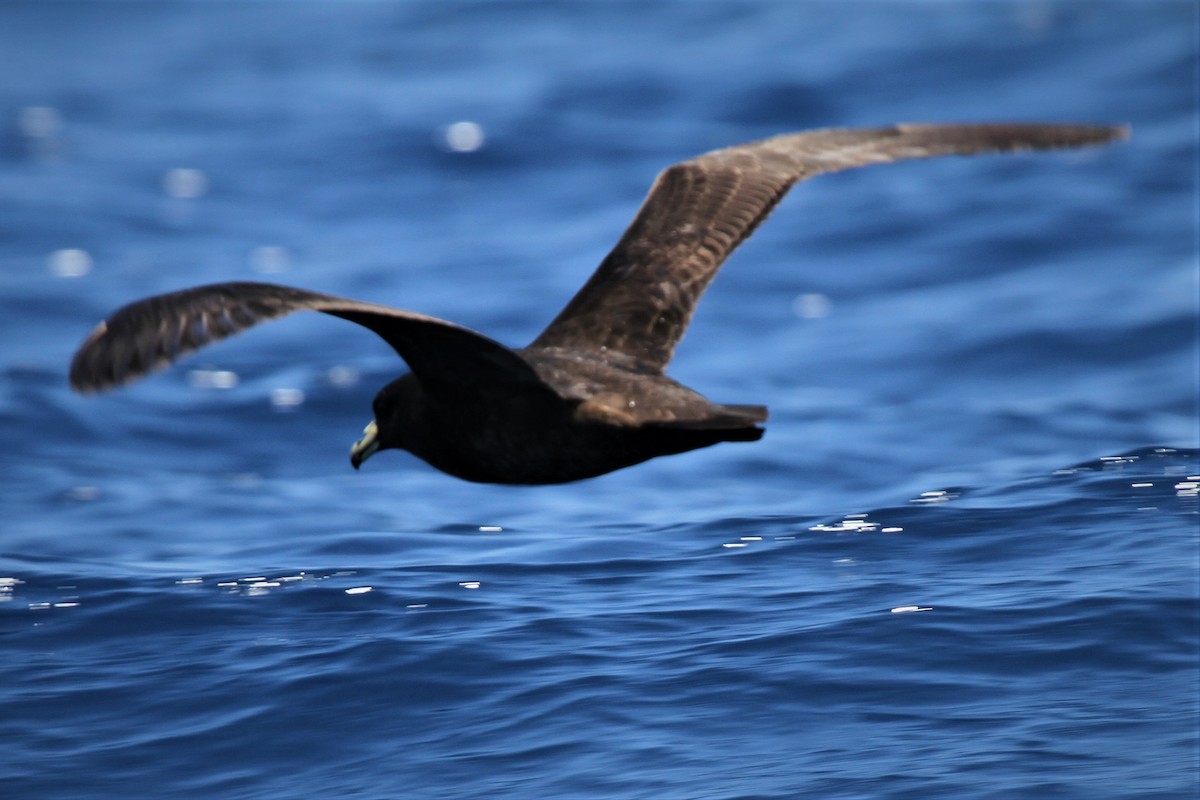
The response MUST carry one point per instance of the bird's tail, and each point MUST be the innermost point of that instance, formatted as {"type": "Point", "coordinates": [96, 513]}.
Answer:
{"type": "Point", "coordinates": [739, 421]}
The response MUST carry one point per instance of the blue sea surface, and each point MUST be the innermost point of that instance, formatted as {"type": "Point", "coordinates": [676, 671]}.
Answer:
{"type": "Point", "coordinates": [962, 563]}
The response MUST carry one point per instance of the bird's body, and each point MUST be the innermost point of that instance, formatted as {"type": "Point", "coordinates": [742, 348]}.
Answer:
{"type": "Point", "coordinates": [595, 418]}
{"type": "Point", "coordinates": [589, 395]}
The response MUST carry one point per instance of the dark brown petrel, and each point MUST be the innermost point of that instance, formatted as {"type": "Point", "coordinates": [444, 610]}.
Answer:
{"type": "Point", "coordinates": [589, 395]}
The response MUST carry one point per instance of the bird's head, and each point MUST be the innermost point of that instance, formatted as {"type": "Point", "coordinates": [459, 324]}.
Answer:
{"type": "Point", "coordinates": [396, 408]}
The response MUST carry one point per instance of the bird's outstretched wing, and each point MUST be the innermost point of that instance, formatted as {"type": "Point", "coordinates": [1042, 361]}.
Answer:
{"type": "Point", "coordinates": [639, 301]}
{"type": "Point", "coordinates": [151, 333]}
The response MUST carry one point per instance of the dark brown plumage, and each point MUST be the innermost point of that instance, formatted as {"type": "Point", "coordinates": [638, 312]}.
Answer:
{"type": "Point", "coordinates": [589, 395]}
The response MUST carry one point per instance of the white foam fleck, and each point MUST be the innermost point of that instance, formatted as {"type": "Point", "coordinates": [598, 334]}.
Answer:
{"type": "Point", "coordinates": [463, 137]}
{"type": "Point", "coordinates": [270, 259]}
{"type": "Point", "coordinates": [212, 378]}
{"type": "Point", "coordinates": [286, 398]}
{"type": "Point", "coordinates": [39, 122]}
{"type": "Point", "coordinates": [812, 306]}
{"type": "Point", "coordinates": [70, 262]}
{"type": "Point", "coordinates": [185, 183]}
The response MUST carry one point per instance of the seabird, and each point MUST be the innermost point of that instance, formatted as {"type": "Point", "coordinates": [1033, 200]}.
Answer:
{"type": "Point", "coordinates": [589, 395]}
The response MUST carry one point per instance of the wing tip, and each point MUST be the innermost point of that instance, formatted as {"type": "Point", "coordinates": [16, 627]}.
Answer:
{"type": "Point", "coordinates": [84, 382]}
{"type": "Point", "coordinates": [1065, 134]}
{"type": "Point", "coordinates": [80, 376]}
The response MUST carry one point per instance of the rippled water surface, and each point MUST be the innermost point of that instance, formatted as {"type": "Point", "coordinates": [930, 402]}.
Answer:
{"type": "Point", "coordinates": [962, 563]}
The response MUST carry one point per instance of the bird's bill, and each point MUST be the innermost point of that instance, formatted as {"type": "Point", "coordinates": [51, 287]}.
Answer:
{"type": "Point", "coordinates": [365, 447]}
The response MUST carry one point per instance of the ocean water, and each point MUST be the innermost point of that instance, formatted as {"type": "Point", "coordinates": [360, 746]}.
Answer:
{"type": "Point", "coordinates": [962, 563]}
